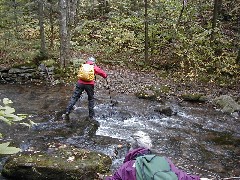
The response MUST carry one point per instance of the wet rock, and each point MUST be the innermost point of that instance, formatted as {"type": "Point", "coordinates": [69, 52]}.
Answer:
{"type": "Point", "coordinates": [236, 114]}
{"type": "Point", "coordinates": [63, 163]}
{"type": "Point", "coordinates": [4, 69]}
{"type": "Point", "coordinates": [194, 97]}
{"type": "Point", "coordinates": [227, 104]}
{"type": "Point", "coordinates": [91, 129]}
{"type": "Point", "coordinates": [165, 109]}
{"type": "Point", "coordinates": [124, 115]}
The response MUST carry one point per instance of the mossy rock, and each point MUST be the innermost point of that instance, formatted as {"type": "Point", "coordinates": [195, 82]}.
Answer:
{"type": "Point", "coordinates": [194, 97]}
{"type": "Point", "coordinates": [27, 64]}
{"type": "Point", "coordinates": [153, 92]}
{"type": "Point", "coordinates": [227, 104]}
{"type": "Point", "coordinates": [146, 94]}
{"type": "Point", "coordinates": [161, 89]}
{"type": "Point", "coordinates": [63, 163]}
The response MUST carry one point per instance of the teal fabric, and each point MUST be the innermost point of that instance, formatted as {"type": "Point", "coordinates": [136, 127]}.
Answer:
{"type": "Point", "coordinates": [152, 167]}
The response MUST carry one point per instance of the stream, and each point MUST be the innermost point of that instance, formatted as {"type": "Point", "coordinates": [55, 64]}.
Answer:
{"type": "Point", "coordinates": [198, 138]}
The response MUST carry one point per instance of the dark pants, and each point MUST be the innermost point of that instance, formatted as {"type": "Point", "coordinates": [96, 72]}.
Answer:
{"type": "Point", "coordinates": [89, 88]}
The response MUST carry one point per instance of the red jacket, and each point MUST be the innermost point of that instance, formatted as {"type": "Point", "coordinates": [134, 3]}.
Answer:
{"type": "Point", "coordinates": [97, 71]}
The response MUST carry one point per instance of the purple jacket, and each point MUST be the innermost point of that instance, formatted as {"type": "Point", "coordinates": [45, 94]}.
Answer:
{"type": "Point", "coordinates": [128, 172]}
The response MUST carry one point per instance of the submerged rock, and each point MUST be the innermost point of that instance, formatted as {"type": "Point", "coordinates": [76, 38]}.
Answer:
{"type": "Point", "coordinates": [64, 163]}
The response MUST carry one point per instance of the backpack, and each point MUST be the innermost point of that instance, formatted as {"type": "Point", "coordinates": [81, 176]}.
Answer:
{"type": "Point", "coordinates": [86, 72]}
{"type": "Point", "coordinates": [152, 167]}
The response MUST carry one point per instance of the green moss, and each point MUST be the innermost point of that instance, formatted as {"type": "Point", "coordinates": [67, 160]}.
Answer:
{"type": "Point", "coordinates": [69, 163]}
{"type": "Point", "coordinates": [191, 97]}
{"type": "Point", "coordinates": [165, 89]}
{"type": "Point", "coordinates": [146, 95]}
{"type": "Point", "coordinates": [26, 64]}
{"type": "Point", "coordinates": [49, 62]}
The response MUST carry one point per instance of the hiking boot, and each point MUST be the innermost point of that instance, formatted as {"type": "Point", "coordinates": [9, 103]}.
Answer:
{"type": "Point", "coordinates": [66, 117]}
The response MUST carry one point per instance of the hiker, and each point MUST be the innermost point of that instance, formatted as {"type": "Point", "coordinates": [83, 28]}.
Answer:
{"type": "Point", "coordinates": [85, 82]}
{"type": "Point", "coordinates": [129, 169]}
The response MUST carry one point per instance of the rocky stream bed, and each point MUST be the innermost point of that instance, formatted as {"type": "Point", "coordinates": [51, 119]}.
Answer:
{"type": "Point", "coordinates": [180, 120]}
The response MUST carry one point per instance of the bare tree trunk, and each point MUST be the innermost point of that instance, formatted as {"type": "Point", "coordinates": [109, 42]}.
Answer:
{"type": "Point", "coordinates": [16, 18]}
{"type": "Point", "coordinates": [219, 5]}
{"type": "Point", "coordinates": [41, 25]}
{"type": "Point", "coordinates": [72, 9]}
{"type": "Point", "coordinates": [133, 5]}
{"type": "Point", "coordinates": [184, 3]}
{"type": "Point", "coordinates": [77, 12]}
{"type": "Point", "coordinates": [64, 44]}
{"type": "Point", "coordinates": [71, 21]}
{"type": "Point", "coordinates": [51, 23]}
{"type": "Point", "coordinates": [100, 6]}
{"type": "Point", "coordinates": [238, 57]}
{"type": "Point", "coordinates": [92, 8]}
{"type": "Point", "coordinates": [238, 26]}
{"type": "Point", "coordinates": [215, 18]}
{"type": "Point", "coordinates": [146, 31]}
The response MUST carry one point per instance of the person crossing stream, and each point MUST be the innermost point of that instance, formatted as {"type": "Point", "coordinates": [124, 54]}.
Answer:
{"type": "Point", "coordinates": [86, 75]}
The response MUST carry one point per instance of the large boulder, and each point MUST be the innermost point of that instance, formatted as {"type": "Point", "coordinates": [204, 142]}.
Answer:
{"type": "Point", "coordinates": [66, 163]}
{"type": "Point", "coordinates": [227, 104]}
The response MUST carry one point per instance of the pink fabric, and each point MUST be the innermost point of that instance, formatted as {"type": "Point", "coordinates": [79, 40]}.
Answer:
{"type": "Point", "coordinates": [97, 70]}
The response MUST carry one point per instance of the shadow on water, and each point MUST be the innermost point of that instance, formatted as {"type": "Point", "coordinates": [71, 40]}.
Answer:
{"type": "Point", "coordinates": [198, 138]}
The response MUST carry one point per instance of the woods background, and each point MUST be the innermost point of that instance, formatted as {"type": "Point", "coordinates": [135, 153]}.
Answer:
{"type": "Point", "coordinates": [189, 39]}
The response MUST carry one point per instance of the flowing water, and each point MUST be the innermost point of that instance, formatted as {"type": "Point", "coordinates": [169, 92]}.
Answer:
{"type": "Point", "coordinates": [197, 138]}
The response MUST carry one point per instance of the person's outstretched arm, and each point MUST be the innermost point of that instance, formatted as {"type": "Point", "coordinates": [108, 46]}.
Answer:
{"type": "Point", "coordinates": [100, 72]}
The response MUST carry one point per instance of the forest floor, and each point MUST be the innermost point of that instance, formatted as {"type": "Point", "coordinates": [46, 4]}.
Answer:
{"type": "Point", "coordinates": [125, 80]}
